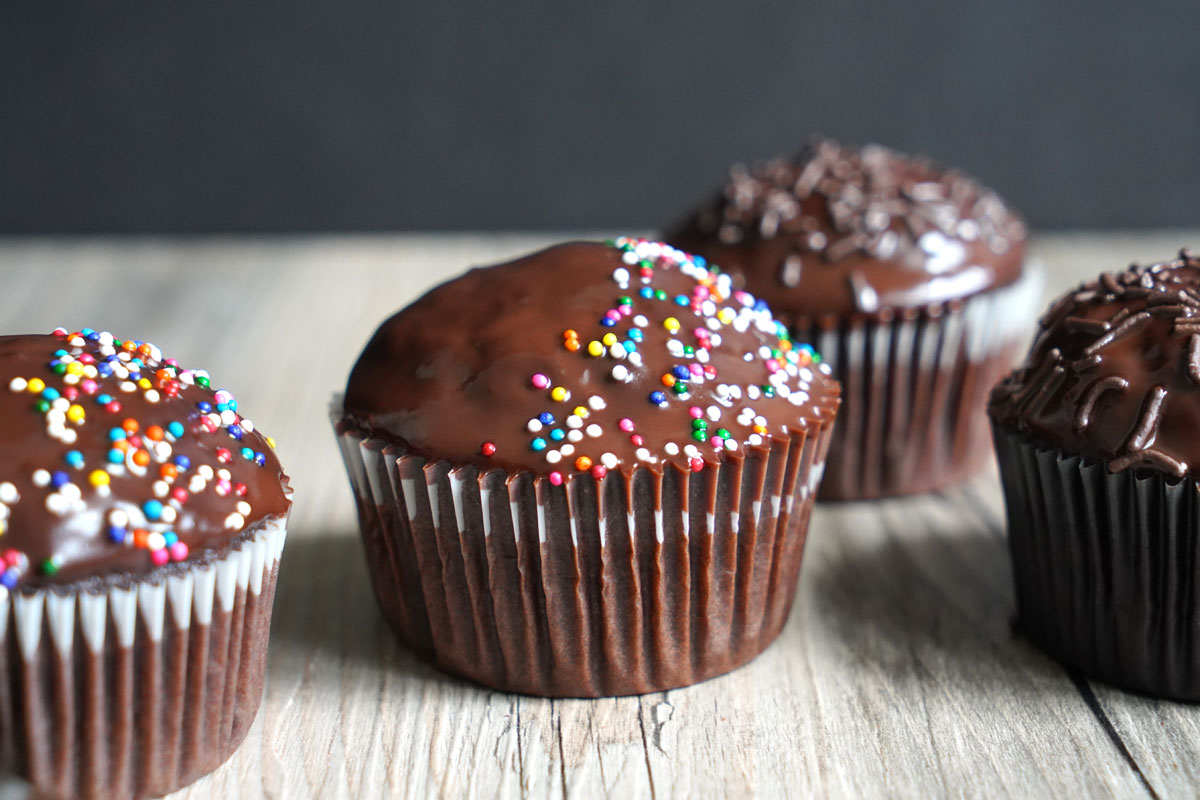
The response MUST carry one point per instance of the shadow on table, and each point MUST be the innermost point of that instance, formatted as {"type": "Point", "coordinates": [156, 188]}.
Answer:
{"type": "Point", "coordinates": [325, 611]}
{"type": "Point", "coordinates": [930, 606]}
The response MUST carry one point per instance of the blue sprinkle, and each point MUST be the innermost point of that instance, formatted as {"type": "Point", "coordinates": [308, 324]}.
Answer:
{"type": "Point", "coordinates": [50, 393]}
{"type": "Point", "coordinates": [116, 434]}
{"type": "Point", "coordinates": [682, 300]}
{"type": "Point", "coordinates": [222, 406]}
{"type": "Point", "coordinates": [60, 479]}
{"type": "Point", "coordinates": [235, 431]}
{"type": "Point", "coordinates": [629, 346]}
{"type": "Point", "coordinates": [60, 352]}
{"type": "Point", "coordinates": [170, 537]}
{"type": "Point", "coordinates": [116, 534]}
{"type": "Point", "coordinates": [104, 370]}
{"type": "Point", "coordinates": [8, 578]}
{"type": "Point", "coordinates": [260, 459]}
{"type": "Point", "coordinates": [247, 454]}
{"type": "Point", "coordinates": [658, 398]}
{"type": "Point", "coordinates": [152, 509]}
{"type": "Point", "coordinates": [636, 334]}
{"type": "Point", "coordinates": [175, 429]}
{"type": "Point", "coordinates": [608, 322]}
{"type": "Point", "coordinates": [699, 261]}
{"type": "Point", "coordinates": [546, 418]}
{"type": "Point", "coordinates": [538, 444]}
{"type": "Point", "coordinates": [646, 292]}
{"type": "Point", "coordinates": [204, 406]}
{"type": "Point", "coordinates": [232, 404]}
{"type": "Point", "coordinates": [682, 372]}
{"type": "Point", "coordinates": [182, 461]}
{"type": "Point", "coordinates": [75, 458]}
{"type": "Point", "coordinates": [558, 434]}
{"type": "Point", "coordinates": [104, 399]}
{"type": "Point", "coordinates": [115, 456]}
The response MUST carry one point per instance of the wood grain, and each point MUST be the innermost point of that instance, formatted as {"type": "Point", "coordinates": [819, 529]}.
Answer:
{"type": "Point", "coordinates": [898, 673]}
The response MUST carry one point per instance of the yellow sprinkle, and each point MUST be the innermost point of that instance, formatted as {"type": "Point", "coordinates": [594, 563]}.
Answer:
{"type": "Point", "coordinates": [74, 368]}
{"type": "Point", "coordinates": [36, 385]}
{"type": "Point", "coordinates": [671, 324]}
{"type": "Point", "coordinates": [1, 527]}
{"type": "Point", "coordinates": [558, 394]}
{"type": "Point", "coordinates": [75, 413]}
{"type": "Point", "coordinates": [580, 412]}
{"type": "Point", "coordinates": [726, 315]}
{"type": "Point", "coordinates": [595, 348]}
{"type": "Point", "coordinates": [609, 339]}
{"type": "Point", "coordinates": [271, 442]}
{"type": "Point", "coordinates": [145, 383]}
{"type": "Point", "coordinates": [98, 478]}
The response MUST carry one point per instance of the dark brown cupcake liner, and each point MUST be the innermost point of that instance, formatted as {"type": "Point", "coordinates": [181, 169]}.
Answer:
{"type": "Point", "coordinates": [622, 585]}
{"type": "Point", "coordinates": [914, 390]}
{"type": "Point", "coordinates": [1106, 565]}
{"type": "Point", "coordinates": [136, 691]}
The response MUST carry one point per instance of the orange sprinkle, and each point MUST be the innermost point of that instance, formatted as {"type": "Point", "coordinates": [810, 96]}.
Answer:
{"type": "Point", "coordinates": [141, 458]}
{"type": "Point", "coordinates": [140, 537]}
{"type": "Point", "coordinates": [154, 433]}
{"type": "Point", "coordinates": [668, 380]}
{"type": "Point", "coordinates": [130, 426]}
{"type": "Point", "coordinates": [571, 344]}
{"type": "Point", "coordinates": [145, 350]}
{"type": "Point", "coordinates": [121, 445]}
{"type": "Point", "coordinates": [168, 472]}
{"type": "Point", "coordinates": [582, 463]}
{"type": "Point", "coordinates": [570, 334]}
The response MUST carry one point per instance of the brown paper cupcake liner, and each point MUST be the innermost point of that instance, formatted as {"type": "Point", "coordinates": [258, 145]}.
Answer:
{"type": "Point", "coordinates": [623, 585]}
{"type": "Point", "coordinates": [1106, 566]}
{"type": "Point", "coordinates": [136, 691]}
{"type": "Point", "coordinates": [914, 390]}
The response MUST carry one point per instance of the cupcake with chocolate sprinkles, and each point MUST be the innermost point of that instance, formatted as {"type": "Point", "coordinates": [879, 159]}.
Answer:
{"type": "Point", "coordinates": [1096, 439]}
{"type": "Point", "coordinates": [141, 522]}
{"type": "Point", "coordinates": [586, 472]}
{"type": "Point", "coordinates": [908, 277]}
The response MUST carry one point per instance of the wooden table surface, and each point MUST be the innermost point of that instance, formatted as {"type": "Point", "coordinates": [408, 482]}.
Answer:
{"type": "Point", "coordinates": [898, 673]}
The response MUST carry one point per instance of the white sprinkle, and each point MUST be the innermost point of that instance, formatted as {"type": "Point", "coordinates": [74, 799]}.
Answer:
{"type": "Point", "coordinates": [715, 339]}
{"type": "Point", "coordinates": [621, 276]}
{"type": "Point", "coordinates": [692, 451]}
{"type": "Point", "coordinates": [128, 386]}
{"type": "Point", "coordinates": [629, 257]}
{"type": "Point", "coordinates": [609, 460]}
{"type": "Point", "coordinates": [752, 391]}
{"type": "Point", "coordinates": [760, 420]}
{"type": "Point", "coordinates": [56, 503]}
{"type": "Point", "coordinates": [713, 412]}
{"type": "Point", "coordinates": [151, 395]}
{"type": "Point", "coordinates": [18, 385]}
{"type": "Point", "coordinates": [227, 417]}
{"type": "Point", "coordinates": [534, 425]}
{"type": "Point", "coordinates": [8, 493]}
{"type": "Point", "coordinates": [675, 347]}
{"type": "Point", "coordinates": [617, 350]}
{"type": "Point", "coordinates": [567, 450]}
{"type": "Point", "coordinates": [642, 454]}
{"type": "Point", "coordinates": [620, 373]}
{"type": "Point", "coordinates": [41, 478]}
{"type": "Point", "coordinates": [574, 421]}
{"type": "Point", "coordinates": [575, 435]}
{"type": "Point", "coordinates": [247, 425]}
{"type": "Point", "coordinates": [243, 507]}
{"type": "Point", "coordinates": [596, 403]}
{"type": "Point", "coordinates": [196, 484]}
{"type": "Point", "coordinates": [671, 448]}
{"type": "Point", "coordinates": [594, 430]}
{"type": "Point", "coordinates": [235, 521]}
{"type": "Point", "coordinates": [754, 440]}
{"type": "Point", "coordinates": [553, 456]}
{"type": "Point", "coordinates": [160, 488]}
{"type": "Point", "coordinates": [70, 379]}
{"type": "Point", "coordinates": [205, 472]}
{"type": "Point", "coordinates": [70, 491]}
{"type": "Point", "coordinates": [223, 474]}
{"type": "Point", "coordinates": [641, 321]}
{"type": "Point", "coordinates": [702, 356]}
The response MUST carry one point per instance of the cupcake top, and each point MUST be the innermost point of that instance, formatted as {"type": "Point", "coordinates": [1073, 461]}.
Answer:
{"type": "Point", "coordinates": [1115, 371]}
{"type": "Point", "coordinates": [839, 231]}
{"type": "Point", "coordinates": [587, 357]}
{"type": "Point", "coordinates": [115, 461]}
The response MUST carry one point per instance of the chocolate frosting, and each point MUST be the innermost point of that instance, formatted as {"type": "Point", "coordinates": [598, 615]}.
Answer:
{"type": "Point", "coordinates": [115, 462]}
{"type": "Point", "coordinates": [1115, 371]}
{"type": "Point", "coordinates": [840, 232]}
{"type": "Point", "coordinates": [509, 366]}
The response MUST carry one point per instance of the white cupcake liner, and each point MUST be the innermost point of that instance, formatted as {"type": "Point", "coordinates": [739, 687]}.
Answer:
{"type": "Point", "coordinates": [915, 387]}
{"type": "Point", "coordinates": [137, 690]}
{"type": "Point", "coordinates": [622, 585]}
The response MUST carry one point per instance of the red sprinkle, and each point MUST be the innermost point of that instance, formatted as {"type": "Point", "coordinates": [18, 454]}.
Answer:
{"type": "Point", "coordinates": [697, 464]}
{"type": "Point", "coordinates": [488, 448]}
{"type": "Point", "coordinates": [599, 471]}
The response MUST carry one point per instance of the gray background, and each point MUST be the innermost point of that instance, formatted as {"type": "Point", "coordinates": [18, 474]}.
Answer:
{"type": "Point", "coordinates": [226, 116]}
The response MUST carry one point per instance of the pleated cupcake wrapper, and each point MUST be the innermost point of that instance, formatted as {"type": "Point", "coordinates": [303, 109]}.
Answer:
{"type": "Point", "coordinates": [1106, 566]}
{"type": "Point", "coordinates": [914, 391]}
{"type": "Point", "coordinates": [136, 691]}
{"type": "Point", "coordinates": [622, 585]}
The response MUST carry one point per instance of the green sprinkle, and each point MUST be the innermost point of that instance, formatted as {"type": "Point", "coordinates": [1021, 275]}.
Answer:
{"type": "Point", "coordinates": [660, 295]}
{"type": "Point", "coordinates": [700, 436]}
{"type": "Point", "coordinates": [700, 424]}
{"type": "Point", "coordinates": [724, 434]}
{"type": "Point", "coordinates": [49, 567]}
{"type": "Point", "coordinates": [202, 381]}
{"type": "Point", "coordinates": [42, 406]}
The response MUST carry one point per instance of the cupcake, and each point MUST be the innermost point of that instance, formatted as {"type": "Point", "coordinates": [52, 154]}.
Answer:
{"type": "Point", "coordinates": [141, 521]}
{"type": "Point", "coordinates": [909, 278]}
{"type": "Point", "coordinates": [1096, 438]}
{"type": "Point", "coordinates": [586, 472]}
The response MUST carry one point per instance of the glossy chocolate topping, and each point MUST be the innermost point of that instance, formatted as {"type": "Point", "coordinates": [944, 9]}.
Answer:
{"type": "Point", "coordinates": [586, 356]}
{"type": "Point", "coordinates": [114, 462]}
{"type": "Point", "coordinates": [1115, 371]}
{"type": "Point", "coordinates": [838, 231]}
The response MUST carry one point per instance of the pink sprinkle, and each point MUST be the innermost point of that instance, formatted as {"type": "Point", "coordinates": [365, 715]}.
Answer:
{"type": "Point", "coordinates": [160, 557]}
{"type": "Point", "coordinates": [700, 291]}
{"type": "Point", "coordinates": [695, 368]}
{"type": "Point", "coordinates": [170, 362]}
{"type": "Point", "coordinates": [772, 365]}
{"type": "Point", "coordinates": [743, 297]}
{"type": "Point", "coordinates": [717, 442]}
{"type": "Point", "coordinates": [700, 333]}
{"type": "Point", "coordinates": [539, 381]}
{"type": "Point", "coordinates": [599, 471]}
{"type": "Point", "coordinates": [612, 314]}
{"type": "Point", "coordinates": [625, 424]}
{"type": "Point", "coordinates": [556, 478]}
{"type": "Point", "coordinates": [626, 310]}
{"type": "Point", "coordinates": [695, 412]}
{"type": "Point", "coordinates": [89, 386]}
{"type": "Point", "coordinates": [86, 358]}
{"type": "Point", "coordinates": [179, 551]}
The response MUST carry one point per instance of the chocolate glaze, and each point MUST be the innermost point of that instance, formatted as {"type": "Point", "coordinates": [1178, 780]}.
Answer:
{"type": "Point", "coordinates": [1114, 372]}
{"type": "Point", "coordinates": [840, 232]}
{"type": "Point", "coordinates": [78, 538]}
{"type": "Point", "coordinates": [453, 370]}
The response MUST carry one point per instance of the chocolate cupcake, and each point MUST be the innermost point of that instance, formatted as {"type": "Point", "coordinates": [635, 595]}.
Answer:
{"type": "Point", "coordinates": [586, 472]}
{"type": "Point", "coordinates": [909, 278]}
{"type": "Point", "coordinates": [141, 522]}
{"type": "Point", "coordinates": [1096, 439]}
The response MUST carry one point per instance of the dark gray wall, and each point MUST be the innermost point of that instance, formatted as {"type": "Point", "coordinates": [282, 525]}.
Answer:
{"type": "Point", "coordinates": [243, 116]}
